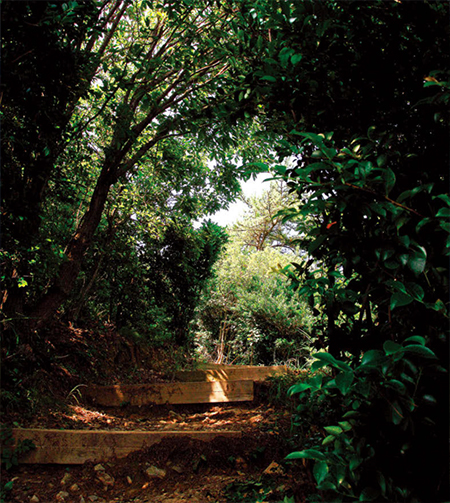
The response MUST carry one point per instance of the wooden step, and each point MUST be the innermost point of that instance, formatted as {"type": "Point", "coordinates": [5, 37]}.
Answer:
{"type": "Point", "coordinates": [72, 447]}
{"type": "Point", "coordinates": [172, 393]}
{"type": "Point", "coordinates": [231, 372]}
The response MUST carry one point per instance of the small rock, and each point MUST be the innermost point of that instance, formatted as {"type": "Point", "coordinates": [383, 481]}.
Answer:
{"type": "Point", "coordinates": [129, 480]}
{"type": "Point", "coordinates": [62, 495]}
{"type": "Point", "coordinates": [74, 488]}
{"type": "Point", "coordinates": [34, 499]}
{"type": "Point", "coordinates": [99, 468]}
{"type": "Point", "coordinates": [67, 478]}
{"type": "Point", "coordinates": [154, 471]}
{"type": "Point", "coordinates": [93, 497]}
{"type": "Point", "coordinates": [177, 469]}
{"type": "Point", "coordinates": [106, 479]}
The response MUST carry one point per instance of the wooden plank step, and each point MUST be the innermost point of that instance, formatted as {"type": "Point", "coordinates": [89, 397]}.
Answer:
{"type": "Point", "coordinates": [173, 393]}
{"type": "Point", "coordinates": [231, 372]}
{"type": "Point", "coordinates": [72, 447]}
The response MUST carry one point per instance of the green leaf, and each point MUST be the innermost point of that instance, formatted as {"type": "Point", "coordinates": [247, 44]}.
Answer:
{"type": "Point", "coordinates": [326, 486]}
{"type": "Point", "coordinates": [355, 461]}
{"type": "Point", "coordinates": [340, 473]}
{"type": "Point", "coordinates": [296, 58]}
{"type": "Point", "coordinates": [391, 347]}
{"type": "Point", "coordinates": [390, 180]}
{"type": "Point", "coordinates": [256, 167]}
{"type": "Point", "coordinates": [350, 414]}
{"type": "Point", "coordinates": [423, 222]}
{"type": "Point", "coordinates": [378, 208]}
{"type": "Point", "coordinates": [298, 388]}
{"type": "Point", "coordinates": [400, 299]}
{"type": "Point", "coordinates": [438, 306]}
{"type": "Point", "coordinates": [344, 381]}
{"type": "Point", "coordinates": [269, 78]}
{"type": "Point", "coordinates": [418, 260]}
{"type": "Point", "coordinates": [9, 485]}
{"type": "Point", "coordinates": [443, 212]}
{"type": "Point", "coordinates": [369, 494]}
{"type": "Point", "coordinates": [416, 291]}
{"type": "Point", "coordinates": [416, 338]}
{"type": "Point", "coordinates": [396, 413]}
{"type": "Point", "coordinates": [316, 381]}
{"type": "Point", "coordinates": [430, 399]}
{"type": "Point", "coordinates": [307, 454]}
{"type": "Point", "coordinates": [381, 160]}
{"type": "Point", "coordinates": [373, 357]}
{"type": "Point", "coordinates": [419, 350]}
{"type": "Point", "coordinates": [320, 471]}
{"type": "Point", "coordinates": [327, 440]}
{"type": "Point", "coordinates": [333, 430]}
{"type": "Point", "coordinates": [331, 360]}
{"type": "Point", "coordinates": [285, 55]}
{"type": "Point", "coordinates": [325, 357]}
{"type": "Point", "coordinates": [443, 197]}
{"type": "Point", "coordinates": [281, 170]}
{"type": "Point", "coordinates": [318, 364]}
{"type": "Point", "coordinates": [345, 425]}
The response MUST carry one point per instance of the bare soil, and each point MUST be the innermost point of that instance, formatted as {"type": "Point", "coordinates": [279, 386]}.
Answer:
{"type": "Point", "coordinates": [250, 468]}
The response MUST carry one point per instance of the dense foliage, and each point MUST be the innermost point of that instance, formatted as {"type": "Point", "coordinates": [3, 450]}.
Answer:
{"type": "Point", "coordinates": [360, 91]}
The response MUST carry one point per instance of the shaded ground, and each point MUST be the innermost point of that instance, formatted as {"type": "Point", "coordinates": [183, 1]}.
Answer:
{"type": "Point", "coordinates": [248, 469]}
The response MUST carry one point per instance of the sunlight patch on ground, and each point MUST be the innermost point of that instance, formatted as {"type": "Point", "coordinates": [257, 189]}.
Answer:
{"type": "Point", "coordinates": [83, 415]}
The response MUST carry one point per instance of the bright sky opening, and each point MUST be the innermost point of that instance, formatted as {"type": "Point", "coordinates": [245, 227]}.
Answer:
{"type": "Point", "coordinates": [236, 210]}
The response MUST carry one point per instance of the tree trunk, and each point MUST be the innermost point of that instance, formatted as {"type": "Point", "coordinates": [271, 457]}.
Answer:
{"type": "Point", "coordinates": [78, 245]}
{"type": "Point", "coordinates": [85, 291]}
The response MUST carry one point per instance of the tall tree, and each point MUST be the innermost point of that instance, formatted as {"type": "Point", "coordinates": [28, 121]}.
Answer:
{"type": "Point", "coordinates": [146, 72]}
{"type": "Point", "coordinates": [264, 223]}
{"type": "Point", "coordinates": [45, 71]}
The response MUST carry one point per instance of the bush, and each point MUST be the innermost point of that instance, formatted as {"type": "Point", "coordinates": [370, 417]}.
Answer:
{"type": "Point", "coordinates": [369, 452]}
{"type": "Point", "coordinates": [250, 314]}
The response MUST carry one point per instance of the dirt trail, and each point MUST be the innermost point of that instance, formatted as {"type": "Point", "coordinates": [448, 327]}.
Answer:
{"type": "Point", "coordinates": [245, 469]}
{"type": "Point", "coordinates": [249, 468]}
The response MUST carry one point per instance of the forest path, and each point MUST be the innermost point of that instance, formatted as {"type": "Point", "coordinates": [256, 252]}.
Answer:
{"type": "Point", "coordinates": [246, 445]}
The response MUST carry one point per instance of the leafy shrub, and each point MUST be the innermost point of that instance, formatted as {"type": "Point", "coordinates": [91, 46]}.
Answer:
{"type": "Point", "coordinates": [250, 312]}
{"type": "Point", "coordinates": [381, 245]}
{"type": "Point", "coordinates": [369, 452]}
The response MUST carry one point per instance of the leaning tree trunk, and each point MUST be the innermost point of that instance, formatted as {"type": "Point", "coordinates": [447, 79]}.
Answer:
{"type": "Point", "coordinates": [47, 110]}
{"type": "Point", "coordinates": [67, 275]}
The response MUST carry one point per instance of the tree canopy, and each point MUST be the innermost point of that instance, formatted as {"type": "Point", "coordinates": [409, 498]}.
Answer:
{"type": "Point", "coordinates": [145, 85]}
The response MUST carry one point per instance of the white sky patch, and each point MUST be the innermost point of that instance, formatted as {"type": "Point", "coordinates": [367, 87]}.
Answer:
{"type": "Point", "coordinates": [236, 210]}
